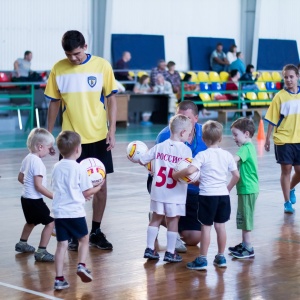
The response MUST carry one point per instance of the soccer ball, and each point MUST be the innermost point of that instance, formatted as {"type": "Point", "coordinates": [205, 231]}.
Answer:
{"type": "Point", "coordinates": [95, 169]}
{"type": "Point", "coordinates": [184, 163]}
{"type": "Point", "coordinates": [135, 150]}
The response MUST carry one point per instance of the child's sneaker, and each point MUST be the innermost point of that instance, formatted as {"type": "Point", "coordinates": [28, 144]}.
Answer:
{"type": "Point", "coordinates": [24, 248]}
{"type": "Point", "coordinates": [288, 209]}
{"type": "Point", "coordinates": [235, 248]}
{"type": "Point", "coordinates": [61, 284]}
{"type": "Point", "coordinates": [200, 263]}
{"type": "Point", "coordinates": [84, 273]}
{"type": "Point", "coordinates": [293, 198]}
{"type": "Point", "coordinates": [44, 256]}
{"type": "Point", "coordinates": [151, 254]}
{"type": "Point", "coordinates": [243, 253]}
{"type": "Point", "coordinates": [180, 247]}
{"type": "Point", "coordinates": [220, 261]}
{"type": "Point", "coordinates": [169, 257]}
{"type": "Point", "coordinates": [73, 245]}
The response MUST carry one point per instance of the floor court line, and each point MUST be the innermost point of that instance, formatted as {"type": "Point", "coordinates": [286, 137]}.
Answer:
{"type": "Point", "coordinates": [29, 291]}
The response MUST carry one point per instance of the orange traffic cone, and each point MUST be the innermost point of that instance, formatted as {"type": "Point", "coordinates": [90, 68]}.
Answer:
{"type": "Point", "coordinates": [261, 131]}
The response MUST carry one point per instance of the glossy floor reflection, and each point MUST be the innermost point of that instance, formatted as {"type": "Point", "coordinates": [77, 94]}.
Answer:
{"type": "Point", "coordinates": [123, 273]}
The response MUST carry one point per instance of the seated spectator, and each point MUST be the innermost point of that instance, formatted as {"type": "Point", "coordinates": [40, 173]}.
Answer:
{"type": "Point", "coordinates": [238, 64]}
{"type": "Point", "coordinates": [218, 59]}
{"type": "Point", "coordinates": [190, 86]}
{"type": "Point", "coordinates": [22, 71]}
{"type": "Point", "coordinates": [163, 86]}
{"type": "Point", "coordinates": [231, 54]}
{"type": "Point", "coordinates": [123, 64]}
{"type": "Point", "coordinates": [173, 77]}
{"type": "Point", "coordinates": [143, 87]}
{"type": "Point", "coordinates": [247, 79]}
{"type": "Point", "coordinates": [160, 69]}
{"type": "Point", "coordinates": [233, 85]}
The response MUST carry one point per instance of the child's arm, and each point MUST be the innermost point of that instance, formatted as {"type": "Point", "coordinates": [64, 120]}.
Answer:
{"type": "Point", "coordinates": [90, 192]}
{"type": "Point", "coordinates": [234, 179]}
{"type": "Point", "coordinates": [185, 172]}
{"type": "Point", "coordinates": [236, 158]}
{"type": "Point", "coordinates": [38, 185]}
{"type": "Point", "coordinates": [21, 177]}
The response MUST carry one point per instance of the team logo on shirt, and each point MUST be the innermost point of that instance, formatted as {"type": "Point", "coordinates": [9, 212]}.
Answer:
{"type": "Point", "coordinates": [92, 80]}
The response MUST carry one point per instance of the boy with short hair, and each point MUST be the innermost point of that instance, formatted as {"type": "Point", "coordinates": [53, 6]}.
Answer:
{"type": "Point", "coordinates": [34, 179]}
{"type": "Point", "coordinates": [247, 187]}
{"type": "Point", "coordinates": [214, 164]}
{"type": "Point", "coordinates": [71, 185]}
{"type": "Point", "coordinates": [168, 196]}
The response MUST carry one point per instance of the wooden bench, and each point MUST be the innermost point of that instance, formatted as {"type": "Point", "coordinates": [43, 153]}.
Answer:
{"type": "Point", "coordinates": [223, 113]}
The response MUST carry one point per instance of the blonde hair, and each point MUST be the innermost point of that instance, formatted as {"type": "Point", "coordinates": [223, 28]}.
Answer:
{"type": "Point", "coordinates": [211, 132]}
{"type": "Point", "coordinates": [178, 123]}
{"type": "Point", "coordinates": [39, 136]}
{"type": "Point", "coordinates": [67, 141]}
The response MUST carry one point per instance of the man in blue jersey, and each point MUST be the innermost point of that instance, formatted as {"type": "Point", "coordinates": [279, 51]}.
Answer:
{"type": "Point", "coordinates": [189, 226]}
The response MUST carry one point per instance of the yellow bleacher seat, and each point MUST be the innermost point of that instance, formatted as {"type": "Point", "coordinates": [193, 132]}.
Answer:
{"type": "Point", "coordinates": [205, 97]}
{"type": "Point", "coordinates": [214, 77]}
{"type": "Point", "coordinates": [203, 77]}
{"type": "Point", "coordinates": [224, 76]}
{"type": "Point", "coordinates": [276, 76]}
{"type": "Point", "coordinates": [261, 85]}
{"type": "Point", "coordinates": [194, 76]}
{"type": "Point", "coordinates": [181, 75]}
{"type": "Point", "coordinates": [266, 76]}
{"type": "Point", "coordinates": [131, 73]}
{"type": "Point", "coordinates": [263, 96]}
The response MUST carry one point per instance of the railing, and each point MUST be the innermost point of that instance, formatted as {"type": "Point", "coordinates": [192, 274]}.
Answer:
{"type": "Point", "coordinates": [7, 92]}
{"type": "Point", "coordinates": [240, 92]}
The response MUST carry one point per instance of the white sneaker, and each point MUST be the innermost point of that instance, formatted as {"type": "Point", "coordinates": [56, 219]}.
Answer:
{"type": "Point", "coordinates": [180, 247]}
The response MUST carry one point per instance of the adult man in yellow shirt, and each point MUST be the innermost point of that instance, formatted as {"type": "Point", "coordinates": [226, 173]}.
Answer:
{"type": "Point", "coordinates": [80, 84]}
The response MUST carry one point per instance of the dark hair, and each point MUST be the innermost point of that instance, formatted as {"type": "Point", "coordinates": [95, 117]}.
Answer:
{"type": "Point", "coordinates": [67, 141]}
{"type": "Point", "coordinates": [244, 124]}
{"type": "Point", "coordinates": [219, 44]}
{"type": "Point", "coordinates": [211, 132]}
{"type": "Point", "coordinates": [27, 53]}
{"type": "Point", "coordinates": [142, 78]}
{"type": "Point", "coordinates": [233, 72]}
{"type": "Point", "coordinates": [232, 47]}
{"type": "Point", "coordinates": [171, 64]}
{"type": "Point", "coordinates": [72, 39]}
{"type": "Point", "coordinates": [290, 67]}
{"type": "Point", "coordinates": [187, 104]}
{"type": "Point", "coordinates": [238, 54]}
{"type": "Point", "coordinates": [187, 77]}
{"type": "Point", "coordinates": [249, 67]}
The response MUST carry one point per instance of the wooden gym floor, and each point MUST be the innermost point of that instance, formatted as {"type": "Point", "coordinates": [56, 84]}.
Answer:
{"type": "Point", "coordinates": [123, 273]}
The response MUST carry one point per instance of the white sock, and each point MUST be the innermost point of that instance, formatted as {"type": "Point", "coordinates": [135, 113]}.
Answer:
{"type": "Point", "coordinates": [151, 236]}
{"type": "Point", "coordinates": [171, 241]}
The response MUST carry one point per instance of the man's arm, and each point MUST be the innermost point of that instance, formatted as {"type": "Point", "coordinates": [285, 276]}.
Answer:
{"type": "Point", "coordinates": [112, 116]}
{"type": "Point", "coordinates": [52, 114]}
{"type": "Point", "coordinates": [16, 68]}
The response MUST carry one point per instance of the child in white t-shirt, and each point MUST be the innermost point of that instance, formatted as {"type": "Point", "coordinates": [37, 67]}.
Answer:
{"type": "Point", "coordinates": [33, 177]}
{"type": "Point", "coordinates": [71, 187]}
{"type": "Point", "coordinates": [214, 202]}
{"type": "Point", "coordinates": [168, 196]}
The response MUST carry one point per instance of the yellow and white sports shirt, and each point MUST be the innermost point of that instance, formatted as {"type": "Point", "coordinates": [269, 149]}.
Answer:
{"type": "Point", "coordinates": [284, 113]}
{"type": "Point", "coordinates": [82, 89]}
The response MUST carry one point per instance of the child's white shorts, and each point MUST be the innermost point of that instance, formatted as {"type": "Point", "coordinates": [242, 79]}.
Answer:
{"type": "Point", "coordinates": [167, 209]}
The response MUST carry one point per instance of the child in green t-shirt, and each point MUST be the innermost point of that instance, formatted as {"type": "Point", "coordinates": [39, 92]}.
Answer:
{"type": "Point", "coordinates": [247, 187]}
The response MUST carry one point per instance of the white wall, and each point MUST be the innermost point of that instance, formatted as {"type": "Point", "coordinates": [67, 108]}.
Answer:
{"type": "Point", "coordinates": [38, 26]}
{"type": "Point", "coordinates": [177, 20]}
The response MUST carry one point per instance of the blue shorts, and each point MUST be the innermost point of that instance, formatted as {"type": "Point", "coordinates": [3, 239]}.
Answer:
{"type": "Point", "coordinates": [68, 228]}
{"type": "Point", "coordinates": [214, 209]}
{"type": "Point", "coordinates": [287, 154]}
